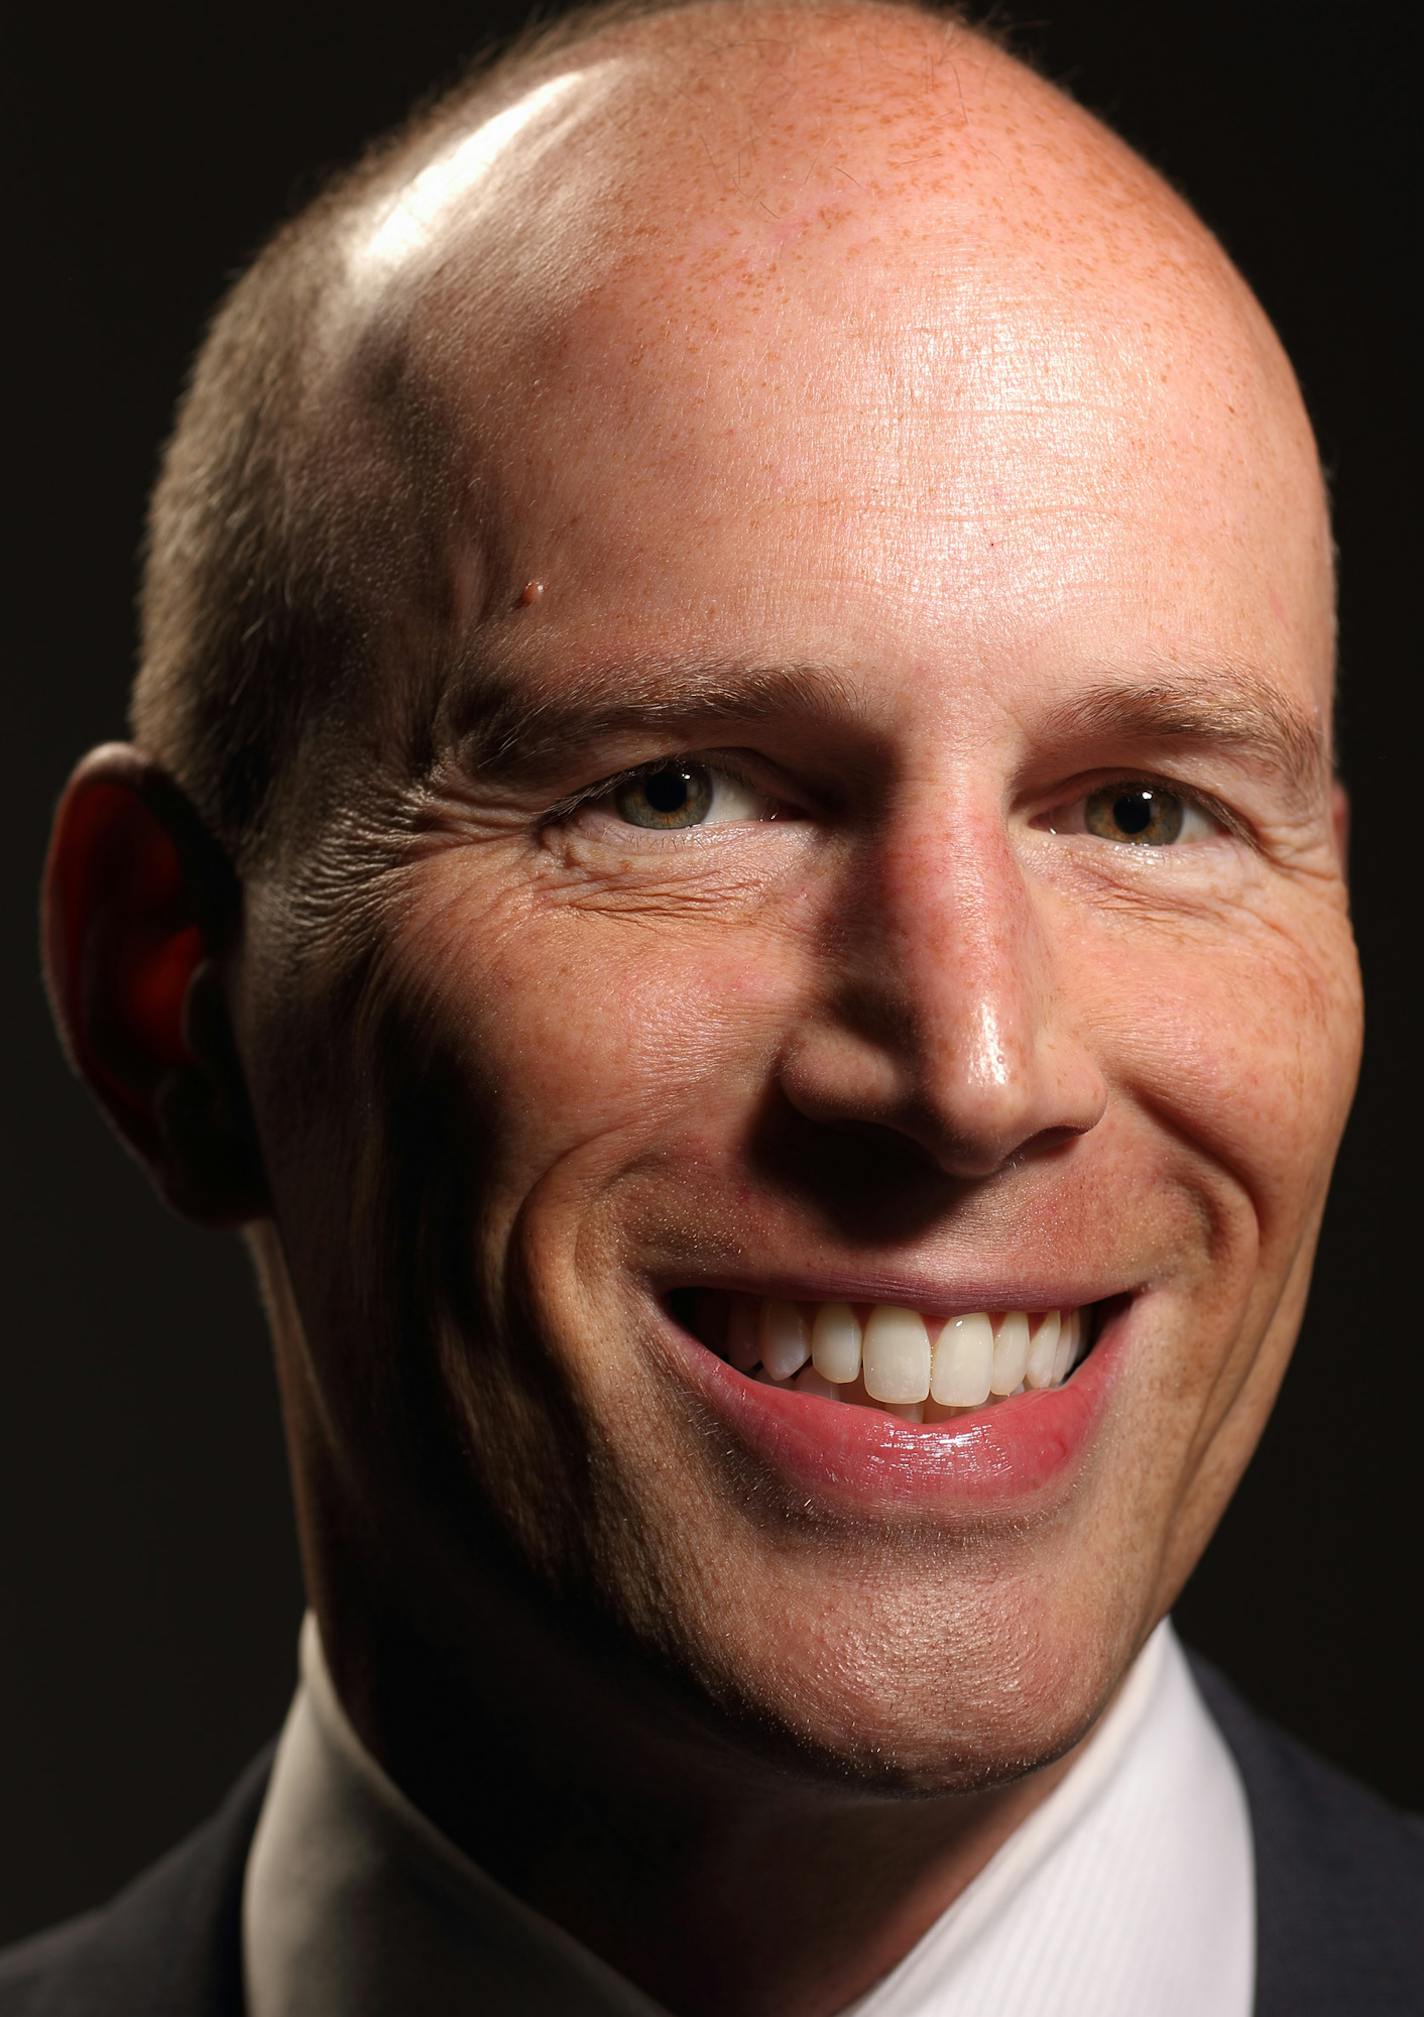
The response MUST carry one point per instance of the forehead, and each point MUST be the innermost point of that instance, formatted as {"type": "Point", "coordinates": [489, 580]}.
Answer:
{"type": "Point", "coordinates": [898, 346]}
{"type": "Point", "coordinates": [959, 476]}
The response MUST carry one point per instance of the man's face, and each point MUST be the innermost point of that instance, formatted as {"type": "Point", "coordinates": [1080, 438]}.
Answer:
{"type": "Point", "coordinates": [989, 952]}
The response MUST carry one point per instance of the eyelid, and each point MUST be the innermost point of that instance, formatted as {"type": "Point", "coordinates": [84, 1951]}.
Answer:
{"type": "Point", "coordinates": [603, 788]}
{"type": "Point", "coordinates": [1190, 794]}
{"type": "Point", "coordinates": [726, 762]}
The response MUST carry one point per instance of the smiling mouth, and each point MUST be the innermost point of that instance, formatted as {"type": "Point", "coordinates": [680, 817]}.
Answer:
{"type": "Point", "coordinates": [916, 1365]}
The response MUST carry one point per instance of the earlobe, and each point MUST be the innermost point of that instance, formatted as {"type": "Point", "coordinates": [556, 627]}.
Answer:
{"type": "Point", "coordinates": [137, 898]}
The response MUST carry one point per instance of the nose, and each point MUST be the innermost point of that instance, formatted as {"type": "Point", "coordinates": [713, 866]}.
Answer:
{"type": "Point", "coordinates": [945, 1007]}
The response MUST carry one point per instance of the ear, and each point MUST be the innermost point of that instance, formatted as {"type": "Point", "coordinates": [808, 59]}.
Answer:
{"type": "Point", "coordinates": [139, 906]}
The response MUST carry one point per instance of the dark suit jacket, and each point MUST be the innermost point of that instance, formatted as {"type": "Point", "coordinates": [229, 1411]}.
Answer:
{"type": "Point", "coordinates": [1339, 1876]}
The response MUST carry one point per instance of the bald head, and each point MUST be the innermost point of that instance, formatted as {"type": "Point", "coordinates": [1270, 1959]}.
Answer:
{"type": "Point", "coordinates": [639, 233]}
{"type": "Point", "coordinates": [753, 598]}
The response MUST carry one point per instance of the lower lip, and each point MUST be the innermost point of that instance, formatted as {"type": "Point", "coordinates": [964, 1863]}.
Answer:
{"type": "Point", "coordinates": [1023, 1448]}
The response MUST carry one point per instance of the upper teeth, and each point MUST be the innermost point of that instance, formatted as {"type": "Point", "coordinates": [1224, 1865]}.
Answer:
{"type": "Point", "coordinates": [902, 1356]}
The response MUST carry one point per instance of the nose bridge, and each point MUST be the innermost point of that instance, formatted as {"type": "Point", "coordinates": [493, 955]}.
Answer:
{"type": "Point", "coordinates": [949, 1020]}
{"type": "Point", "coordinates": [964, 955]}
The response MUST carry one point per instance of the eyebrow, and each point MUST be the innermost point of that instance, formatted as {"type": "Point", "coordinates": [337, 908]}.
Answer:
{"type": "Point", "coordinates": [1232, 709]}
{"type": "Point", "coordinates": [508, 730]}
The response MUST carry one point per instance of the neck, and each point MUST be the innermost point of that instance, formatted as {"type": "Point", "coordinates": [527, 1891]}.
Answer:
{"type": "Point", "coordinates": [796, 1904]}
{"type": "Point", "coordinates": [716, 1875]}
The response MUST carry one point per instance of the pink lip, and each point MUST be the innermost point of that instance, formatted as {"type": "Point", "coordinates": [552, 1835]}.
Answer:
{"type": "Point", "coordinates": [859, 1460]}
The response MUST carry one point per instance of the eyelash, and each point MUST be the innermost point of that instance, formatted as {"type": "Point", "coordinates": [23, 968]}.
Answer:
{"type": "Point", "coordinates": [1191, 795]}
{"type": "Point", "coordinates": [604, 788]}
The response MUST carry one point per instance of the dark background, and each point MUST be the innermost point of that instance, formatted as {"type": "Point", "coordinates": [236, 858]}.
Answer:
{"type": "Point", "coordinates": [150, 1589]}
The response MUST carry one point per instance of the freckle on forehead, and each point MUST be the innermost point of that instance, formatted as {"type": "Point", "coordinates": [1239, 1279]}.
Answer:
{"type": "Point", "coordinates": [834, 254]}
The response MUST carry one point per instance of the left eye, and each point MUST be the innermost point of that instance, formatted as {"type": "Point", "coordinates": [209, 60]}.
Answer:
{"type": "Point", "coordinates": [1140, 815]}
{"type": "Point", "coordinates": [675, 795]}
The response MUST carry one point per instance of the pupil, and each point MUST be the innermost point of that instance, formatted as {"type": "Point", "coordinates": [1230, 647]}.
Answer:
{"type": "Point", "coordinates": [1133, 811]}
{"type": "Point", "coordinates": [666, 790]}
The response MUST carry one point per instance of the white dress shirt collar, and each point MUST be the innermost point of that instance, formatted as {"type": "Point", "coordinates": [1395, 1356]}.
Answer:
{"type": "Point", "coordinates": [1130, 1889]}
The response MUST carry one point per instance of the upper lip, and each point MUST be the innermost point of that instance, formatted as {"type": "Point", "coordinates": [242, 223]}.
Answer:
{"type": "Point", "coordinates": [905, 1289]}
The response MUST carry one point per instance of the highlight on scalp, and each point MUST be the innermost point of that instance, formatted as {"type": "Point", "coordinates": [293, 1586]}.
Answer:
{"type": "Point", "coordinates": [292, 515]}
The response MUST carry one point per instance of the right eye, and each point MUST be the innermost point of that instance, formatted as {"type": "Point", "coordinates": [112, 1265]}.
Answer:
{"type": "Point", "coordinates": [677, 794]}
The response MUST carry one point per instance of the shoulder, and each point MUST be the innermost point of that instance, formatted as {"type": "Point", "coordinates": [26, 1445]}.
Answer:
{"type": "Point", "coordinates": [169, 1945]}
{"type": "Point", "coordinates": [1339, 1874]}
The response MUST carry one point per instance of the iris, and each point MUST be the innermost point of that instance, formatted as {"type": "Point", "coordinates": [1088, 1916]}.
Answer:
{"type": "Point", "coordinates": [673, 795]}
{"type": "Point", "coordinates": [1144, 815]}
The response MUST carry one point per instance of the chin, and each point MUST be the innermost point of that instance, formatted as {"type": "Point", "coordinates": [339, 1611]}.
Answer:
{"type": "Point", "coordinates": [923, 1699]}
{"type": "Point", "coordinates": [972, 1745]}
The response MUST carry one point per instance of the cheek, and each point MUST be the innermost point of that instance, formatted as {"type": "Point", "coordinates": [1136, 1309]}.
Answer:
{"type": "Point", "coordinates": [1243, 1041]}
{"type": "Point", "coordinates": [581, 1026]}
